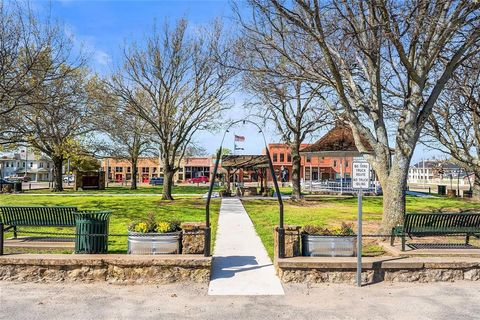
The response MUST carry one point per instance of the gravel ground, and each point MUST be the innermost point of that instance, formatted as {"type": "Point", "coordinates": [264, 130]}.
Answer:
{"type": "Point", "coordinates": [458, 300]}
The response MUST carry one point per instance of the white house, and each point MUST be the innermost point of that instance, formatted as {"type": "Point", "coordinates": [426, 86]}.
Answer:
{"type": "Point", "coordinates": [36, 167]}
{"type": "Point", "coordinates": [434, 171]}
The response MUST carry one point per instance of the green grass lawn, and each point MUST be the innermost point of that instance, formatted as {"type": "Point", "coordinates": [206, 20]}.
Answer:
{"type": "Point", "coordinates": [331, 211]}
{"type": "Point", "coordinates": [125, 209]}
{"type": "Point", "coordinates": [180, 189]}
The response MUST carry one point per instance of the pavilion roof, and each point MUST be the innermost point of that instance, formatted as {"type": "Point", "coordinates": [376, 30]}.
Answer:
{"type": "Point", "coordinates": [245, 161]}
{"type": "Point", "coordinates": [337, 142]}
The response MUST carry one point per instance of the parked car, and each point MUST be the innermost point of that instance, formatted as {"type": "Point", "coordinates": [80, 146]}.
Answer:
{"type": "Point", "coordinates": [9, 186]}
{"type": "Point", "coordinates": [68, 179]}
{"type": "Point", "coordinates": [18, 179]}
{"type": "Point", "coordinates": [156, 181]}
{"type": "Point", "coordinates": [3, 181]}
{"type": "Point", "coordinates": [201, 179]}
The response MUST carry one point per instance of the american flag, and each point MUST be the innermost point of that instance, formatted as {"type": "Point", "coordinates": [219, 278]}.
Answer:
{"type": "Point", "coordinates": [239, 138]}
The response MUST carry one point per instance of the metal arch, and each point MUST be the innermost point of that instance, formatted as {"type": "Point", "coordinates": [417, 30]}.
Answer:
{"type": "Point", "coordinates": [281, 230]}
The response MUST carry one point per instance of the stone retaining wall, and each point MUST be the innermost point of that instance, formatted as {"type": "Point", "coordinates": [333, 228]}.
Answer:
{"type": "Point", "coordinates": [193, 237]}
{"type": "Point", "coordinates": [391, 269]}
{"type": "Point", "coordinates": [119, 269]}
{"type": "Point", "coordinates": [292, 241]}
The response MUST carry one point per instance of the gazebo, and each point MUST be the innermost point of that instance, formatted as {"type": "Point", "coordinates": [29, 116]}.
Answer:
{"type": "Point", "coordinates": [256, 163]}
{"type": "Point", "coordinates": [336, 143]}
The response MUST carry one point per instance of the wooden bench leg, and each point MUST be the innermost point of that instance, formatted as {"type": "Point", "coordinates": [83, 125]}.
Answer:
{"type": "Point", "coordinates": [403, 242]}
{"type": "Point", "coordinates": [467, 239]}
{"type": "Point", "coordinates": [15, 232]}
{"type": "Point", "coordinates": [392, 237]}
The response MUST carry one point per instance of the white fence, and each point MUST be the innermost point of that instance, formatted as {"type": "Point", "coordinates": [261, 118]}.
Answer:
{"type": "Point", "coordinates": [338, 187]}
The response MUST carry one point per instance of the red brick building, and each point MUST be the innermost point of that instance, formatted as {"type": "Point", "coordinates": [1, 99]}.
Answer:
{"type": "Point", "coordinates": [329, 158]}
{"type": "Point", "coordinates": [312, 167]}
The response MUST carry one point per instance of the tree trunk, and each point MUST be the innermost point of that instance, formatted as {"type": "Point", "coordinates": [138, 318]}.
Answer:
{"type": "Point", "coordinates": [134, 174]}
{"type": "Point", "coordinates": [476, 187]}
{"type": "Point", "coordinates": [57, 174]}
{"type": "Point", "coordinates": [168, 174]}
{"type": "Point", "coordinates": [296, 167]}
{"type": "Point", "coordinates": [394, 197]}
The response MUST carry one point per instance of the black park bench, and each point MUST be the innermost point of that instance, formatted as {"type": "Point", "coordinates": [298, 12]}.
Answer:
{"type": "Point", "coordinates": [36, 216]}
{"type": "Point", "coordinates": [432, 224]}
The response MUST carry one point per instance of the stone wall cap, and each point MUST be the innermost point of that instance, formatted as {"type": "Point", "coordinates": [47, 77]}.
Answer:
{"type": "Point", "coordinates": [106, 259]}
{"type": "Point", "coordinates": [378, 263]}
{"type": "Point", "coordinates": [191, 226]}
{"type": "Point", "coordinates": [289, 228]}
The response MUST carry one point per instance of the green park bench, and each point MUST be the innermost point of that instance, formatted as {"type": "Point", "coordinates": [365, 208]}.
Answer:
{"type": "Point", "coordinates": [433, 224]}
{"type": "Point", "coordinates": [36, 216]}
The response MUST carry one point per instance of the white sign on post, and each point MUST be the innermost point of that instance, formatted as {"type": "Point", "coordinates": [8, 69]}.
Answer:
{"type": "Point", "coordinates": [360, 180]}
{"type": "Point", "coordinates": [361, 175]}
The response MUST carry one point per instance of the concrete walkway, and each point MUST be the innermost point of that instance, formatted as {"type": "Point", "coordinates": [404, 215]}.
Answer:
{"type": "Point", "coordinates": [241, 265]}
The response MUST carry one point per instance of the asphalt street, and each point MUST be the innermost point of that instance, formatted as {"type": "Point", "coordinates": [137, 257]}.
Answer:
{"type": "Point", "coordinates": [459, 300]}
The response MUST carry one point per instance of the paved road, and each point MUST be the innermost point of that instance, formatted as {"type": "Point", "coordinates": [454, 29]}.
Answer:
{"type": "Point", "coordinates": [33, 301]}
{"type": "Point", "coordinates": [241, 265]}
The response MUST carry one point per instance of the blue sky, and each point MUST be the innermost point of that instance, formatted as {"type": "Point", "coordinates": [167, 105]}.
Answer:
{"type": "Point", "coordinates": [103, 26]}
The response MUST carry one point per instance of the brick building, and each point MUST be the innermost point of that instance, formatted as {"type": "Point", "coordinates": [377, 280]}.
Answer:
{"type": "Point", "coordinates": [120, 170]}
{"type": "Point", "coordinates": [315, 166]}
{"type": "Point", "coordinates": [312, 166]}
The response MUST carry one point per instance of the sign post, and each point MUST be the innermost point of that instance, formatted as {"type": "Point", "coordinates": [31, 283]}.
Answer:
{"type": "Point", "coordinates": [360, 181]}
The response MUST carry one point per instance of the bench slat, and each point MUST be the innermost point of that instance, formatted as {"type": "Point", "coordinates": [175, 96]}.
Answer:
{"type": "Point", "coordinates": [61, 216]}
{"type": "Point", "coordinates": [441, 223]}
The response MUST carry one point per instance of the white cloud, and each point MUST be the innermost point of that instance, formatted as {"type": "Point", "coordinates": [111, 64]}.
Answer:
{"type": "Point", "coordinates": [101, 57]}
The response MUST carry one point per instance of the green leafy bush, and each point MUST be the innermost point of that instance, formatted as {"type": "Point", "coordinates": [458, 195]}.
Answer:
{"type": "Point", "coordinates": [346, 229]}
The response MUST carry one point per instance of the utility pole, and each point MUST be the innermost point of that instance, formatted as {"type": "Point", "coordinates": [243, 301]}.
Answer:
{"type": "Point", "coordinates": [423, 172]}
{"type": "Point", "coordinates": [26, 161]}
{"type": "Point", "coordinates": [234, 172]}
{"type": "Point", "coordinates": [68, 172]}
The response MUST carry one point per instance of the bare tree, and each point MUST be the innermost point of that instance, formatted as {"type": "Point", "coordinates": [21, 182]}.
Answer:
{"type": "Point", "coordinates": [292, 104]}
{"type": "Point", "coordinates": [294, 109]}
{"type": "Point", "coordinates": [23, 40]}
{"type": "Point", "coordinates": [387, 63]}
{"type": "Point", "coordinates": [56, 111]}
{"type": "Point", "coordinates": [184, 88]}
{"type": "Point", "coordinates": [129, 136]}
{"type": "Point", "coordinates": [455, 122]}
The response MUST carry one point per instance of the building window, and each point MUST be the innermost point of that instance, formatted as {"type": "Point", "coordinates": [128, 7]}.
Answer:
{"type": "Point", "coordinates": [346, 164]}
{"type": "Point", "coordinates": [282, 157]}
{"type": "Point", "coordinates": [289, 157]}
{"type": "Point", "coordinates": [145, 170]}
{"type": "Point", "coordinates": [275, 157]}
{"type": "Point", "coordinates": [334, 163]}
{"type": "Point", "coordinates": [129, 169]}
{"type": "Point", "coordinates": [31, 164]}
{"type": "Point", "coordinates": [118, 169]}
{"type": "Point", "coordinates": [309, 158]}
{"type": "Point", "coordinates": [48, 165]}
{"type": "Point", "coordinates": [40, 164]}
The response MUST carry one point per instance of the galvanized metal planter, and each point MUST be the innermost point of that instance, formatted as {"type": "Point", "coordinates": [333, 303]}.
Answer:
{"type": "Point", "coordinates": [154, 243]}
{"type": "Point", "coordinates": [328, 246]}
